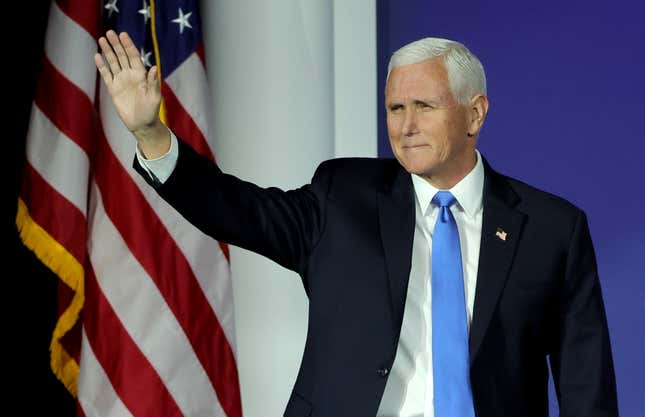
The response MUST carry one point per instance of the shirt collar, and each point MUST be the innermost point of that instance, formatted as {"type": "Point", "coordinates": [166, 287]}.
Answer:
{"type": "Point", "coordinates": [468, 192]}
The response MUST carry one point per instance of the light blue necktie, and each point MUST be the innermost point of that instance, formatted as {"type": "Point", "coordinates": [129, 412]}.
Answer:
{"type": "Point", "coordinates": [450, 363]}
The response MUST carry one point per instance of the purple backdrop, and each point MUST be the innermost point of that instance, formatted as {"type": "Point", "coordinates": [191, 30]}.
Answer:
{"type": "Point", "coordinates": [566, 82]}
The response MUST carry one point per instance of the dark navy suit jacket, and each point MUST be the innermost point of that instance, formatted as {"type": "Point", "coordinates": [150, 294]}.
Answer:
{"type": "Point", "coordinates": [349, 236]}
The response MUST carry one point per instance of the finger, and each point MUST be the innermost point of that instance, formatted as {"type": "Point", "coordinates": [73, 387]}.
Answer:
{"type": "Point", "coordinates": [103, 69]}
{"type": "Point", "coordinates": [110, 57]}
{"type": "Point", "coordinates": [152, 76]}
{"type": "Point", "coordinates": [131, 51]}
{"type": "Point", "coordinates": [153, 83]}
{"type": "Point", "coordinates": [118, 49]}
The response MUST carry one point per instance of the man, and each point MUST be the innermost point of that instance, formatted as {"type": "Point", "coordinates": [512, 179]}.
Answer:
{"type": "Point", "coordinates": [437, 287]}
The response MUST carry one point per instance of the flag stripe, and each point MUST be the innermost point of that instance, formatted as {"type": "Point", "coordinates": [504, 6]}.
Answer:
{"type": "Point", "coordinates": [96, 395]}
{"type": "Point", "coordinates": [52, 212]}
{"type": "Point", "coordinates": [183, 124]}
{"type": "Point", "coordinates": [88, 18]}
{"type": "Point", "coordinates": [58, 160]}
{"type": "Point", "coordinates": [187, 85]}
{"type": "Point", "coordinates": [200, 53]}
{"type": "Point", "coordinates": [137, 299]}
{"type": "Point", "coordinates": [79, 408]}
{"type": "Point", "coordinates": [56, 96]}
{"type": "Point", "coordinates": [70, 49]}
{"type": "Point", "coordinates": [172, 274]}
{"type": "Point", "coordinates": [137, 384]}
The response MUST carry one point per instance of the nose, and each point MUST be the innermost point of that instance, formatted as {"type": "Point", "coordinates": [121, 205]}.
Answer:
{"type": "Point", "coordinates": [410, 123]}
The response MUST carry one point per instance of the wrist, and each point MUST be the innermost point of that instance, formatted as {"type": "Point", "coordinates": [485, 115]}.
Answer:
{"type": "Point", "coordinates": [153, 140]}
{"type": "Point", "coordinates": [151, 133]}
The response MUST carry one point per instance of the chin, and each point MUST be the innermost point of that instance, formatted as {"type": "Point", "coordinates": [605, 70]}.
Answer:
{"type": "Point", "coordinates": [417, 166]}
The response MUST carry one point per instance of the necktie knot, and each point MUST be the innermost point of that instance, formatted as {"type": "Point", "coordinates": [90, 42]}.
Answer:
{"type": "Point", "coordinates": [444, 199]}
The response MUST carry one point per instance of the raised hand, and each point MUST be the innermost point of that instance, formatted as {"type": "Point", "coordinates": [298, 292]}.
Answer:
{"type": "Point", "coordinates": [135, 92]}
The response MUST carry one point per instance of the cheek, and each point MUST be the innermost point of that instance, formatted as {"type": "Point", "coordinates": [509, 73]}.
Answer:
{"type": "Point", "coordinates": [434, 133]}
{"type": "Point", "coordinates": [457, 125]}
{"type": "Point", "coordinates": [439, 131]}
{"type": "Point", "coordinates": [393, 129]}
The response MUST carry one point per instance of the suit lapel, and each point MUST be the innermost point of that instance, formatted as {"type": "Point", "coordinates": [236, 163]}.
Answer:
{"type": "Point", "coordinates": [396, 221]}
{"type": "Point", "coordinates": [501, 229]}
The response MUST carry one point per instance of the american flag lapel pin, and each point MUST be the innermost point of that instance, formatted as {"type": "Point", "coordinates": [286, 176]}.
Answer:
{"type": "Point", "coordinates": [501, 234]}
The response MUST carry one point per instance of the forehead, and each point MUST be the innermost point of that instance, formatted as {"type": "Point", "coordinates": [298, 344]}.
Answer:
{"type": "Point", "coordinates": [423, 79]}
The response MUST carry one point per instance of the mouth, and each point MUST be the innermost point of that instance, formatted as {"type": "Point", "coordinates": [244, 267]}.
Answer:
{"type": "Point", "coordinates": [422, 145]}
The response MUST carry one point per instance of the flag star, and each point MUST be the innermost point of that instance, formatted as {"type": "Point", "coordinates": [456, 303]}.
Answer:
{"type": "Point", "coordinates": [182, 20]}
{"type": "Point", "coordinates": [145, 58]}
{"type": "Point", "coordinates": [110, 6]}
{"type": "Point", "coordinates": [145, 11]}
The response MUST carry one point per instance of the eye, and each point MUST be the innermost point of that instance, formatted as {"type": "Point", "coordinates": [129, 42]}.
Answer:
{"type": "Point", "coordinates": [424, 106]}
{"type": "Point", "coordinates": [395, 108]}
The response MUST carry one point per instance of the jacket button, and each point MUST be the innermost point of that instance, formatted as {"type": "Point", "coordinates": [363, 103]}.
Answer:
{"type": "Point", "coordinates": [382, 372]}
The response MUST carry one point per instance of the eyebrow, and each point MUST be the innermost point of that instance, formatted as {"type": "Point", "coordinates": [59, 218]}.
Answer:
{"type": "Point", "coordinates": [415, 101]}
{"type": "Point", "coordinates": [433, 102]}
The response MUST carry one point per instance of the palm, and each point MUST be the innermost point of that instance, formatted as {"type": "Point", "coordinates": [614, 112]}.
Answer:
{"type": "Point", "coordinates": [134, 90]}
{"type": "Point", "coordinates": [136, 103]}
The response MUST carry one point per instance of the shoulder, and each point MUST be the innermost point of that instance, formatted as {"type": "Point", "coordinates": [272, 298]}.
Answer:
{"type": "Point", "coordinates": [366, 171]}
{"type": "Point", "coordinates": [355, 180]}
{"type": "Point", "coordinates": [532, 196]}
{"type": "Point", "coordinates": [545, 209]}
{"type": "Point", "coordinates": [356, 164]}
{"type": "Point", "coordinates": [527, 196]}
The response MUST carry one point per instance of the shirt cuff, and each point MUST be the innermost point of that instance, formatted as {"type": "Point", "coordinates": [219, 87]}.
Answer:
{"type": "Point", "coordinates": [161, 168]}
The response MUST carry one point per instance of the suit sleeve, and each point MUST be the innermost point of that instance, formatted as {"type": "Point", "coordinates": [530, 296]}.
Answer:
{"type": "Point", "coordinates": [281, 225]}
{"type": "Point", "coordinates": [581, 361]}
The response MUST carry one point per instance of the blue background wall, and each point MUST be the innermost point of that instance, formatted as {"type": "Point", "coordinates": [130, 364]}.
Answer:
{"type": "Point", "coordinates": [567, 92]}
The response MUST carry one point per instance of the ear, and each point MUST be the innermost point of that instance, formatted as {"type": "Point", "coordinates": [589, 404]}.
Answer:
{"type": "Point", "coordinates": [477, 110]}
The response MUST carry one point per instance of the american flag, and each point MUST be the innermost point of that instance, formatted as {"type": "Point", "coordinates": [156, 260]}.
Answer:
{"type": "Point", "coordinates": [145, 323]}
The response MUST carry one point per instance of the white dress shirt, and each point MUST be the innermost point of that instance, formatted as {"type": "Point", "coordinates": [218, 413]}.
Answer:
{"type": "Point", "coordinates": [161, 168]}
{"type": "Point", "coordinates": [409, 388]}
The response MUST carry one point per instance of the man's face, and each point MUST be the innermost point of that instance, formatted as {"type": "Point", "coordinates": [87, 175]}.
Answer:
{"type": "Point", "coordinates": [428, 129]}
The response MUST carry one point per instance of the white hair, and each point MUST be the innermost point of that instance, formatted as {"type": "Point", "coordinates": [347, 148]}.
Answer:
{"type": "Point", "coordinates": [465, 72]}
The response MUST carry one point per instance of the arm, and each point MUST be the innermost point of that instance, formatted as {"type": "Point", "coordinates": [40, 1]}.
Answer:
{"type": "Point", "coordinates": [581, 360]}
{"type": "Point", "coordinates": [281, 225]}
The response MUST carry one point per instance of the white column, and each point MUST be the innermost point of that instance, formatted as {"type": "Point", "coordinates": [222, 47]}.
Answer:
{"type": "Point", "coordinates": [355, 78]}
{"type": "Point", "coordinates": [271, 70]}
